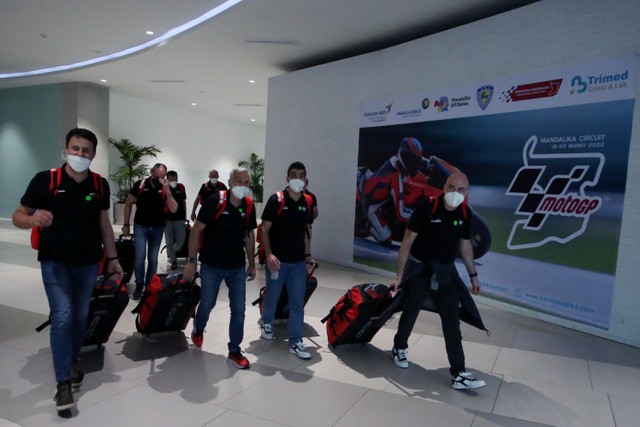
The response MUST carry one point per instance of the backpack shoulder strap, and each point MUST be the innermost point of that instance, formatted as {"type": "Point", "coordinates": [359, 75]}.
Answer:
{"type": "Point", "coordinates": [434, 204]}
{"type": "Point", "coordinates": [465, 211]}
{"type": "Point", "coordinates": [97, 184]}
{"type": "Point", "coordinates": [222, 203]}
{"type": "Point", "coordinates": [249, 201]}
{"type": "Point", "coordinates": [142, 183]}
{"type": "Point", "coordinates": [309, 200]}
{"type": "Point", "coordinates": [55, 178]}
{"type": "Point", "coordinates": [280, 196]}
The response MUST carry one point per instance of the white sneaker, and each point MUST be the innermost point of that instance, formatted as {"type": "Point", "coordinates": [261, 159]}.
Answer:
{"type": "Point", "coordinates": [400, 357]}
{"type": "Point", "coordinates": [465, 381]}
{"type": "Point", "coordinates": [266, 330]}
{"type": "Point", "coordinates": [299, 350]}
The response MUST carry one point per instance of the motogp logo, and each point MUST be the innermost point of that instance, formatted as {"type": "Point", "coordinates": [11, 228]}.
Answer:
{"type": "Point", "coordinates": [554, 204]}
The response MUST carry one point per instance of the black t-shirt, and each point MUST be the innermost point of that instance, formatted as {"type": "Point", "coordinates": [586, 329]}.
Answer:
{"type": "Point", "coordinates": [180, 194]}
{"type": "Point", "coordinates": [150, 203]}
{"type": "Point", "coordinates": [439, 233]}
{"type": "Point", "coordinates": [208, 189]}
{"type": "Point", "coordinates": [224, 237]}
{"type": "Point", "coordinates": [74, 235]}
{"type": "Point", "coordinates": [289, 229]}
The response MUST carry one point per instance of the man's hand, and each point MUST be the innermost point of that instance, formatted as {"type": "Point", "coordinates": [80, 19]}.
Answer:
{"type": "Point", "coordinates": [395, 283]}
{"type": "Point", "coordinates": [42, 218]}
{"type": "Point", "coordinates": [273, 263]}
{"type": "Point", "coordinates": [115, 269]}
{"type": "Point", "coordinates": [126, 230]}
{"type": "Point", "coordinates": [189, 271]}
{"type": "Point", "coordinates": [251, 273]}
{"type": "Point", "coordinates": [475, 286]}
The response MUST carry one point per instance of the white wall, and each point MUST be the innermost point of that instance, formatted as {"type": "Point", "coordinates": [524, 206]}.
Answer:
{"type": "Point", "coordinates": [313, 115]}
{"type": "Point", "coordinates": [191, 143]}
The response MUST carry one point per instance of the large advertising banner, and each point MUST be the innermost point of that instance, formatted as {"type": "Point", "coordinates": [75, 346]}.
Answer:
{"type": "Point", "coordinates": [546, 156]}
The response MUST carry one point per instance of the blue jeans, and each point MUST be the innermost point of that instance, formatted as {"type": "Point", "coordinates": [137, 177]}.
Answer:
{"type": "Point", "coordinates": [236, 280]}
{"type": "Point", "coordinates": [143, 236]}
{"type": "Point", "coordinates": [294, 277]}
{"type": "Point", "coordinates": [68, 290]}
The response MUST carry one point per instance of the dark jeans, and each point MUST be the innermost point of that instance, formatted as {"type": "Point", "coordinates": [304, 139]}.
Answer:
{"type": "Point", "coordinates": [416, 288]}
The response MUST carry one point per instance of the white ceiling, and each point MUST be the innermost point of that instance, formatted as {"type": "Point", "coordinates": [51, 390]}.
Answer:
{"type": "Point", "coordinates": [211, 65]}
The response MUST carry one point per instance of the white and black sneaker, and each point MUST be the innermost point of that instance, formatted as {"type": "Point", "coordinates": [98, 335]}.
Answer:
{"type": "Point", "coordinates": [299, 350]}
{"type": "Point", "coordinates": [400, 357]}
{"type": "Point", "coordinates": [466, 381]}
{"type": "Point", "coordinates": [266, 330]}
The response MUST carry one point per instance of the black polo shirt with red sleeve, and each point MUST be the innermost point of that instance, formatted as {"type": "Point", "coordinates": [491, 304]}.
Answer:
{"type": "Point", "coordinates": [150, 203]}
{"type": "Point", "coordinates": [439, 233]}
{"type": "Point", "coordinates": [74, 236]}
{"type": "Point", "coordinates": [224, 237]}
{"type": "Point", "coordinates": [289, 229]}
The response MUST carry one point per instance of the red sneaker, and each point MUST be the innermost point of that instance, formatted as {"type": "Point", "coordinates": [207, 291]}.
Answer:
{"type": "Point", "coordinates": [236, 358]}
{"type": "Point", "coordinates": [197, 336]}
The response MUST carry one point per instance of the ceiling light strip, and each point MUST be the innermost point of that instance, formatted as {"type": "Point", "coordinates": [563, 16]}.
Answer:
{"type": "Point", "coordinates": [166, 36]}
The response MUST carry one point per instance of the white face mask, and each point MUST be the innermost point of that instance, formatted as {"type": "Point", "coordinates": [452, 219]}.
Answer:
{"type": "Point", "coordinates": [453, 199]}
{"type": "Point", "coordinates": [213, 181]}
{"type": "Point", "coordinates": [240, 191]}
{"type": "Point", "coordinates": [77, 163]}
{"type": "Point", "coordinates": [296, 185]}
{"type": "Point", "coordinates": [173, 184]}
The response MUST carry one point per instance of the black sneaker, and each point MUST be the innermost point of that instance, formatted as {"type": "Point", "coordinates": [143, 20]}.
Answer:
{"type": "Point", "coordinates": [137, 293]}
{"type": "Point", "coordinates": [77, 376]}
{"type": "Point", "coordinates": [64, 396]}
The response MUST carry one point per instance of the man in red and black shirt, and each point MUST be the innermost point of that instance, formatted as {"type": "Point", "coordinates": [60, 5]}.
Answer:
{"type": "Point", "coordinates": [70, 206]}
{"type": "Point", "coordinates": [286, 236]}
{"type": "Point", "coordinates": [208, 189]}
{"type": "Point", "coordinates": [226, 223]}
{"type": "Point", "coordinates": [426, 269]}
{"type": "Point", "coordinates": [153, 199]}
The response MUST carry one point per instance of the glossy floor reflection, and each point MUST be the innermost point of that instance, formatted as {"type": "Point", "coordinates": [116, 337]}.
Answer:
{"type": "Point", "coordinates": [536, 373]}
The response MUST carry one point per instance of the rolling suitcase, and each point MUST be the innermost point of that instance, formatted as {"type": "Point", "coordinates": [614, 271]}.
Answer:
{"type": "Point", "coordinates": [108, 301]}
{"type": "Point", "coordinates": [282, 308]}
{"type": "Point", "coordinates": [168, 303]}
{"type": "Point", "coordinates": [183, 251]}
{"type": "Point", "coordinates": [360, 313]}
{"type": "Point", "coordinates": [126, 256]}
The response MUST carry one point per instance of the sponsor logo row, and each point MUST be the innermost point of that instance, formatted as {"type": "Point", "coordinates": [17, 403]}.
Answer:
{"type": "Point", "coordinates": [578, 85]}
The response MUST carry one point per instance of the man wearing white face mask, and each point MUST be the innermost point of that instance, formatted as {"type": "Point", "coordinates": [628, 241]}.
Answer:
{"type": "Point", "coordinates": [226, 223]}
{"type": "Point", "coordinates": [437, 231]}
{"type": "Point", "coordinates": [69, 205]}
{"type": "Point", "coordinates": [286, 236]}
{"type": "Point", "coordinates": [208, 189]}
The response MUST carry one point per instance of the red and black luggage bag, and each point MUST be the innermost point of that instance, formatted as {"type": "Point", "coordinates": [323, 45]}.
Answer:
{"type": "Point", "coordinates": [282, 308]}
{"type": "Point", "coordinates": [168, 303]}
{"type": "Point", "coordinates": [108, 302]}
{"type": "Point", "coordinates": [359, 314]}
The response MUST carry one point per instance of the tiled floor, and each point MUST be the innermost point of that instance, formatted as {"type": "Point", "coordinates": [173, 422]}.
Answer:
{"type": "Point", "coordinates": [536, 373]}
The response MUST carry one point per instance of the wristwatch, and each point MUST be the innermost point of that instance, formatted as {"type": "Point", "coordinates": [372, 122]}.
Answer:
{"type": "Point", "coordinates": [192, 260]}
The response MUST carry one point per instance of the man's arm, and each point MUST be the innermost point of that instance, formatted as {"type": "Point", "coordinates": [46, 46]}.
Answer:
{"type": "Point", "coordinates": [403, 256]}
{"type": "Point", "coordinates": [466, 252]}
{"type": "Point", "coordinates": [250, 249]}
{"type": "Point", "coordinates": [128, 203]}
{"type": "Point", "coordinates": [109, 243]}
{"type": "Point", "coordinates": [194, 241]}
{"type": "Point", "coordinates": [273, 263]}
{"type": "Point", "coordinates": [196, 202]}
{"type": "Point", "coordinates": [25, 217]}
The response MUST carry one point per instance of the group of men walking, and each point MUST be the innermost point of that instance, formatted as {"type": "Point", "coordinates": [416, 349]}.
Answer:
{"type": "Point", "coordinates": [69, 208]}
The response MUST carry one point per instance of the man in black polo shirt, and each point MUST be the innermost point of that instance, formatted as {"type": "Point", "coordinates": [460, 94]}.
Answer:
{"type": "Point", "coordinates": [153, 199]}
{"type": "Point", "coordinates": [426, 269]}
{"type": "Point", "coordinates": [226, 225]}
{"type": "Point", "coordinates": [208, 189]}
{"type": "Point", "coordinates": [70, 206]}
{"type": "Point", "coordinates": [174, 231]}
{"type": "Point", "coordinates": [286, 237]}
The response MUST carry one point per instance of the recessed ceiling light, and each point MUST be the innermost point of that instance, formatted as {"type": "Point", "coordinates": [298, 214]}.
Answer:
{"type": "Point", "coordinates": [130, 51]}
{"type": "Point", "coordinates": [252, 81]}
{"type": "Point", "coordinates": [193, 103]}
{"type": "Point", "coordinates": [103, 80]}
{"type": "Point", "coordinates": [149, 32]}
{"type": "Point", "coordinates": [253, 120]}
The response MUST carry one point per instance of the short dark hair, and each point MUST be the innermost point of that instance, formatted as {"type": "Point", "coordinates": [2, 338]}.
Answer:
{"type": "Point", "coordinates": [172, 173]}
{"type": "Point", "coordinates": [84, 134]}
{"type": "Point", "coordinates": [296, 165]}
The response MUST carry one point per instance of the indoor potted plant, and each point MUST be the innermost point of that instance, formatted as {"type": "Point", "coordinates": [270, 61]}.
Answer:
{"type": "Point", "coordinates": [129, 171]}
{"type": "Point", "coordinates": [255, 164]}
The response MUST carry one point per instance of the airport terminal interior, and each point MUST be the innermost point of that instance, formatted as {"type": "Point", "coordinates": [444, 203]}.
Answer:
{"type": "Point", "coordinates": [537, 373]}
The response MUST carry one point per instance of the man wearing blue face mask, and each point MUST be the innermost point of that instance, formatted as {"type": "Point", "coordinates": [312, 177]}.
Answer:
{"type": "Point", "coordinates": [286, 237]}
{"type": "Point", "coordinates": [437, 231]}
{"type": "Point", "coordinates": [69, 206]}
{"type": "Point", "coordinates": [225, 223]}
